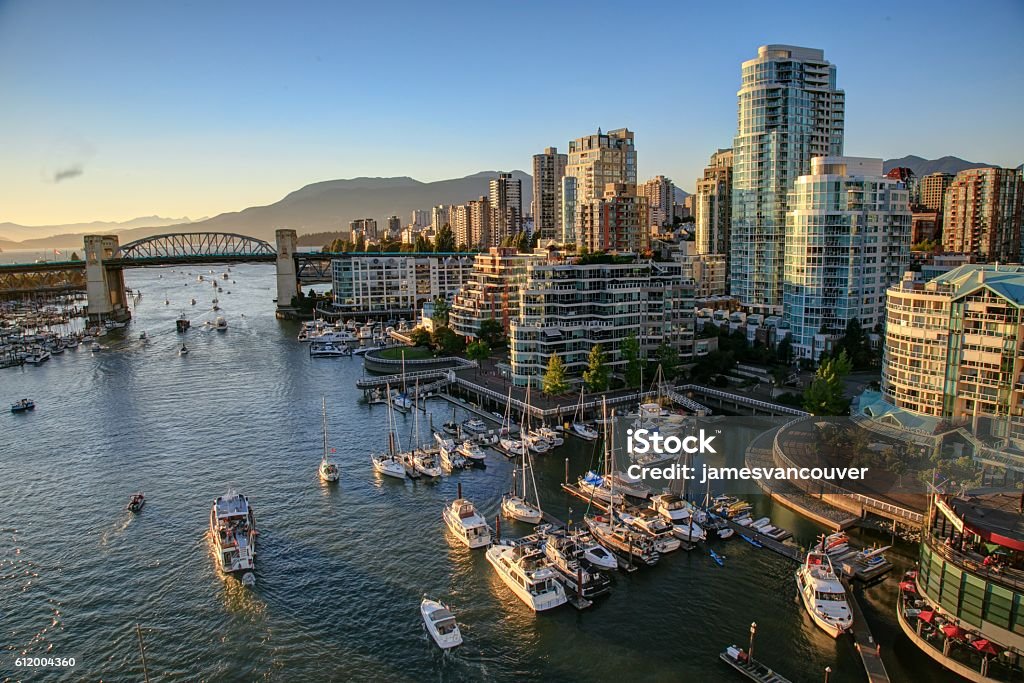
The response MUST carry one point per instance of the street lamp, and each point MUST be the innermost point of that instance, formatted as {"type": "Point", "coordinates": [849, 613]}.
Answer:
{"type": "Point", "coordinates": [828, 670]}
{"type": "Point", "coordinates": [750, 649]}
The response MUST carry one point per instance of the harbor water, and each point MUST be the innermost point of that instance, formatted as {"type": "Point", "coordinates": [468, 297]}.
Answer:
{"type": "Point", "coordinates": [340, 569]}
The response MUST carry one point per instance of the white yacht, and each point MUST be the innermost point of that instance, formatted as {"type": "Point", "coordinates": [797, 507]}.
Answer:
{"type": "Point", "coordinates": [426, 463]}
{"type": "Point", "coordinates": [309, 329]}
{"type": "Point", "coordinates": [823, 595]}
{"type": "Point", "coordinates": [233, 531]}
{"type": "Point", "coordinates": [680, 514]}
{"type": "Point", "coordinates": [475, 426]}
{"type": "Point", "coordinates": [318, 349]}
{"type": "Point", "coordinates": [536, 443]}
{"type": "Point", "coordinates": [512, 447]}
{"type": "Point", "coordinates": [613, 534]}
{"type": "Point", "coordinates": [466, 523]}
{"type": "Point", "coordinates": [440, 623]}
{"type": "Point", "coordinates": [551, 436]}
{"type": "Point", "coordinates": [565, 553]}
{"type": "Point", "coordinates": [328, 468]}
{"type": "Point", "coordinates": [526, 572]}
{"type": "Point", "coordinates": [473, 454]}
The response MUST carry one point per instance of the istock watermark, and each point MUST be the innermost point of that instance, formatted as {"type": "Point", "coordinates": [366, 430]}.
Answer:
{"type": "Point", "coordinates": [642, 441]}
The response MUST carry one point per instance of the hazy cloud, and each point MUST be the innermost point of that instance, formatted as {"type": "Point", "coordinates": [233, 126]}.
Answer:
{"type": "Point", "coordinates": [67, 173]}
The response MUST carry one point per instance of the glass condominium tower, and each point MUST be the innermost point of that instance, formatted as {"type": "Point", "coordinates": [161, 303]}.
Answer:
{"type": "Point", "coordinates": [789, 111]}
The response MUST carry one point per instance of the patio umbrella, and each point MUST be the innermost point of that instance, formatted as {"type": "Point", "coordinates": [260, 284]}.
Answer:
{"type": "Point", "coordinates": [908, 586]}
{"type": "Point", "coordinates": [985, 647]}
{"type": "Point", "coordinates": [927, 616]}
{"type": "Point", "coordinates": [953, 631]}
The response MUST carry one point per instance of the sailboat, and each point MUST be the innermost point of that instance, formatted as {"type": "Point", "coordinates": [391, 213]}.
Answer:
{"type": "Point", "coordinates": [579, 427]}
{"type": "Point", "coordinates": [328, 468]}
{"type": "Point", "coordinates": [611, 532]}
{"type": "Point", "coordinates": [511, 447]}
{"type": "Point", "coordinates": [517, 503]}
{"type": "Point", "coordinates": [422, 461]}
{"type": "Point", "coordinates": [400, 399]}
{"type": "Point", "coordinates": [531, 441]}
{"type": "Point", "coordinates": [388, 464]}
{"type": "Point", "coordinates": [602, 487]}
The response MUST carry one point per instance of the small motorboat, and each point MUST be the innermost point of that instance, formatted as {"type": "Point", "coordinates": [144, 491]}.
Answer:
{"type": "Point", "coordinates": [183, 351]}
{"type": "Point", "coordinates": [440, 623]}
{"type": "Point", "coordinates": [23, 405]}
{"type": "Point", "coordinates": [725, 533]}
{"type": "Point", "coordinates": [599, 556]}
{"type": "Point", "coordinates": [136, 502]}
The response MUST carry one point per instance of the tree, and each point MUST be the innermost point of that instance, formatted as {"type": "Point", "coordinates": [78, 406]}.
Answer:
{"type": "Point", "coordinates": [554, 382]}
{"type": "Point", "coordinates": [360, 244]}
{"type": "Point", "coordinates": [423, 244]}
{"type": "Point", "coordinates": [420, 337]}
{"type": "Point", "coordinates": [440, 314]}
{"type": "Point", "coordinates": [478, 351]}
{"type": "Point", "coordinates": [492, 332]}
{"type": "Point", "coordinates": [74, 256]}
{"type": "Point", "coordinates": [446, 341]}
{"type": "Point", "coordinates": [596, 374]}
{"type": "Point", "coordinates": [634, 366]}
{"type": "Point", "coordinates": [445, 239]}
{"type": "Point", "coordinates": [825, 394]}
{"type": "Point", "coordinates": [784, 350]}
{"type": "Point", "coordinates": [668, 356]}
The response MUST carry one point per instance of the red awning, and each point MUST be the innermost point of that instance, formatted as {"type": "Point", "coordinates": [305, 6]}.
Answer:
{"type": "Point", "coordinates": [985, 646]}
{"type": "Point", "coordinates": [992, 537]}
{"type": "Point", "coordinates": [908, 586]}
{"type": "Point", "coordinates": [927, 616]}
{"type": "Point", "coordinates": [953, 631]}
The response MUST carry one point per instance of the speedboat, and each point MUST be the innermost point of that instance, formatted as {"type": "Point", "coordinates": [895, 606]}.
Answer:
{"type": "Point", "coordinates": [181, 352]}
{"type": "Point", "coordinates": [23, 405]}
{"type": "Point", "coordinates": [328, 350]}
{"type": "Point", "coordinates": [536, 443]}
{"type": "Point", "coordinates": [550, 435]}
{"type": "Point", "coordinates": [473, 454]}
{"type": "Point", "coordinates": [596, 486]}
{"type": "Point", "coordinates": [233, 530]}
{"type": "Point", "coordinates": [136, 502]}
{"type": "Point", "coordinates": [823, 595]}
{"type": "Point", "coordinates": [584, 431]}
{"type": "Point", "coordinates": [595, 554]}
{"type": "Point", "coordinates": [466, 523]}
{"type": "Point", "coordinates": [512, 447]}
{"type": "Point", "coordinates": [440, 623]}
{"type": "Point", "coordinates": [529, 575]}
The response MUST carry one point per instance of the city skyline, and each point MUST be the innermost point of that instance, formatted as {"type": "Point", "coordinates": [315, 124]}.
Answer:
{"type": "Point", "coordinates": [128, 113]}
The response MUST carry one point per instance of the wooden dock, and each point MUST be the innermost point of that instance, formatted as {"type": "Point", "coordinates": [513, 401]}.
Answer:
{"type": "Point", "coordinates": [865, 642]}
{"type": "Point", "coordinates": [786, 550]}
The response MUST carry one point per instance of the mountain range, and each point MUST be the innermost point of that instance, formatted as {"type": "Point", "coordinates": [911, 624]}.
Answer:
{"type": "Point", "coordinates": [328, 206]}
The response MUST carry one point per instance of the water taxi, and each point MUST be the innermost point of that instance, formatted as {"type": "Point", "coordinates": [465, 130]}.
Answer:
{"type": "Point", "coordinates": [233, 531]}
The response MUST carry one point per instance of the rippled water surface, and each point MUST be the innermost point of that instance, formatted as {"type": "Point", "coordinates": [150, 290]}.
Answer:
{"type": "Point", "coordinates": [340, 570]}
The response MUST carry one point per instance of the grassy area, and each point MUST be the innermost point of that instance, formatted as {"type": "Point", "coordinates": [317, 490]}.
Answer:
{"type": "Point", "coordinates": [411, 353]}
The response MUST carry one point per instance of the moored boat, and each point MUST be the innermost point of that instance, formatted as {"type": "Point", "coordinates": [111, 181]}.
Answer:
{"type": "Point", "coordinates": [823, 595]}
{"type": "Point", "coordinates": [473, 454]}
{"type": "Point", "coordinates": [526, 571]}
{"type": "Point", "coordinates": [468, 525]}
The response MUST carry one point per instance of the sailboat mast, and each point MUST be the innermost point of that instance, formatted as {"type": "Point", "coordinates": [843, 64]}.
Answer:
{"type": "Point", "coordinates": [325, 426]}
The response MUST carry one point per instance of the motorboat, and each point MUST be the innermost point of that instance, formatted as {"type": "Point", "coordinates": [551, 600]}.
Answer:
{"type": "Point", "coordinates": [328, 469]}
{"type": "Point", "coordinates": [551, 436]}
{"type": "Point", "coordinates": [596, 554]}
{"type": "Point", "coordinates": [823, 595]}
{"type": "Point", "coordinates": [475, 426]}
{"type": "Point", "coordinates": [136, 502]}
{"type": "Point", "coordinates": [652, 524]}
{"type": "Point", "coordinates": [37, 358]}
{"type": "Point", "coordinates": [630, 486]}
{"type": "Point", "coordinates": [142, 336]}
{"type": "Point", "coordinates": [440, 624]}
{"type": "Point", "coordinates": [473, 454]}
{"type": "Point", "coordinates": [181, 352]}
{"type": "Point", "coordinates": [566, 555]}
{"type": "Point", "coordinates": [310, 329]}
{"type": "Point", "coordinates": [328, 350]}
{"type": "Point", "coordinates": [182, 324]}
{"type": "Point", "coordinates": [613, 534]}
{"type": "Point", "coordinates": [529, 575]}
{"type": "Point", "coordinates": [512, 447]}
{"type": "Point", "coordinates": [451, 459]}
{"type": "Point", "coordinates": [426, 463]}
{"type": "Point", "coordinates": [466, 523]}
{"type": "Point", "coordinates": [536, 443]}
{"type": "Point", "coordinates": [233, 531]}
{"type": "Point", "coordinates": [220, 324]}
{"type": "Point", "coordinates": [680, 514]}
{"type": "Point", "coordinates": [23, 405]}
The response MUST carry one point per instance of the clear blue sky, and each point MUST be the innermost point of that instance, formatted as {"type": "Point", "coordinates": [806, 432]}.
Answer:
{"type": "Point", "coordinates": [194, 108]}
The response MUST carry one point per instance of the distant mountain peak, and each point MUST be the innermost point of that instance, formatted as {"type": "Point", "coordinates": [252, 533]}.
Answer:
{"type": "Point", "coordinates": [922, 167]}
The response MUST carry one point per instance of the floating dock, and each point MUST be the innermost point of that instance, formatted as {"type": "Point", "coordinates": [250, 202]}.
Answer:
{"type": "Point", "coordinates": [751, 668]}
{"type": "Point", "coordinates": [870, 655]}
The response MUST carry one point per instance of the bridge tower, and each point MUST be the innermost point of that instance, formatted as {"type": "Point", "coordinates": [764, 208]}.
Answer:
{"type": "Point", "coordinates": [104, 286]}
{"type": "Point", "coordinates": [287, 273]}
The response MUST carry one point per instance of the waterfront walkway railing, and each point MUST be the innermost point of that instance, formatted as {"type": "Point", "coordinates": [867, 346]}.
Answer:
{"type": "Point", "coordinates": [819, 487]}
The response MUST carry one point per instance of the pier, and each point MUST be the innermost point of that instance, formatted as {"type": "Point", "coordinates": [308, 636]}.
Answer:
{"type": "Point", "coordinates": [868, 649]}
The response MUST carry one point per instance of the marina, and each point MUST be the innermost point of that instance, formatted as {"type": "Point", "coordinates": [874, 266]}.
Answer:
{"type": "Point", "coordinates": [336, 530]}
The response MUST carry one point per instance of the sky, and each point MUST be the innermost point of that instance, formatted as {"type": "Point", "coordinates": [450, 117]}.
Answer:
{"type": "Point", "coordinates": [114, 109]}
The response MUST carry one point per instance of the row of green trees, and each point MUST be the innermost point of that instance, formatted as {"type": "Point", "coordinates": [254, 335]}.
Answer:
{"type": "Point", "coordinates": [597, 376]}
